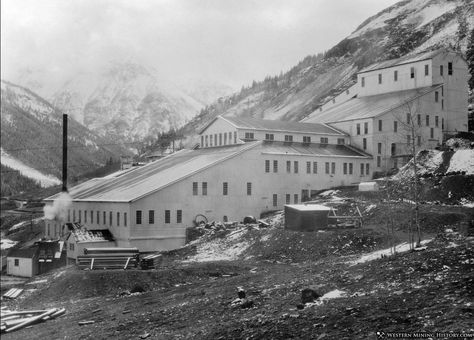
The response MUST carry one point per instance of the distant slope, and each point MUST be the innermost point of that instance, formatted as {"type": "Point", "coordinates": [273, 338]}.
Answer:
{"type": "Point", "coordinates": [31, 137]}
{"type": "Point", "coordinates": [406, 27]}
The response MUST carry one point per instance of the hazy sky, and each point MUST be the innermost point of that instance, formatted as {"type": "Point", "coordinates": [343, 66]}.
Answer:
{"type": "Point", "coordinates": [234, 41]}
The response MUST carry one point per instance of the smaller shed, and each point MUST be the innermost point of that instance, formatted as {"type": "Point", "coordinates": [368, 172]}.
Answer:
{"type": "Point", "coordinates": [23, 262]}
{"type": "Point", "coordinates": [306, 217]}
{"type": "Point", "coordinates": [80, 238]}
{"type": "Point", "coordinates": [368, 186]}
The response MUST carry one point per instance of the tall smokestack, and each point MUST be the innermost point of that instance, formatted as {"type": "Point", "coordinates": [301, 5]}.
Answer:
{"type": "Point", "coordinates": [64, 153]}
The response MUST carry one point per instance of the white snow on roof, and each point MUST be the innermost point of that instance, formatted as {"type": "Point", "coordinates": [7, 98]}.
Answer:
{"type": "Point", "coordinates": [27, 171]}
{"type": "Point", "coordinates": [308, 207]}
{"type": "Point", "coordinates": [462, 160]}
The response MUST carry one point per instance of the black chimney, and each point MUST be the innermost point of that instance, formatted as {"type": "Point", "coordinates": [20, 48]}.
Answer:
{"type": "Point", "coordinates": [64, 152]}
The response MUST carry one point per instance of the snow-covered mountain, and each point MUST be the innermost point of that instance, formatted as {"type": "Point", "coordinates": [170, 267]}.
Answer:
{"type": "Point", "coordinates": [31, 138]}
{"type": "Point", "coordinates": [408, 27]}
{"type": "Point", "coordinates": [126, 99]}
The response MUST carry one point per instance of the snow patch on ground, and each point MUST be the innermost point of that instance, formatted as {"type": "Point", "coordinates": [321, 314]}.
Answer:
{"type": "Point", "coordinates": [401, 248]}
{"type": "Point", "coordinates": [462, 160]}
{"type": "Point", "coordinates": [27, 171]}
{"type": "Point", "coordinates": [25, 223]}
{"type": "Point", "coordinates": [334, 294]}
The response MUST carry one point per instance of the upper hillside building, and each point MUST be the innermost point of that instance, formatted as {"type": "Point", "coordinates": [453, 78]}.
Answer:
{"type": "Point", "coordinates": [417, 99]}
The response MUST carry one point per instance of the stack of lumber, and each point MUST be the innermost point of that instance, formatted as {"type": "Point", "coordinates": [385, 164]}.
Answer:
{"type": "Point", "coordinates": [14, 320]}
{"type": "Point", "coordinates": [108, 258]}
{"type": "Point", "coordinates": [13, 293]}
{"type": "Point", "coordinates": [151, 261]}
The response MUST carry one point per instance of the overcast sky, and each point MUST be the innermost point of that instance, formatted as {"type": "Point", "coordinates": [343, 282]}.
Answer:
{"type": "Point", "coordinates": [233, 41]}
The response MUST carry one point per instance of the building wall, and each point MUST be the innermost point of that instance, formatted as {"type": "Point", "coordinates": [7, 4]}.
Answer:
{"type": "Point", "coordinates": [297, 136]}
{"type": "Point", "coordinates": [219, 133]}
{"type": "Point", "coordinates": [80, 246]}
{"type": "Point", "coordinates": [341, 97]}
{"type": "Point", "coordinates": [248, 167]}
{"type": "Point", "coordinates": [27, 267]}
{"type": "Point", "coordinates": [403, 82]}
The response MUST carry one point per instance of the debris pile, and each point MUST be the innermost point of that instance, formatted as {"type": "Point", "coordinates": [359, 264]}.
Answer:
{"type": "Point", "coordinates": [14, 320]}
{"type": "Point", "coordinates": [151, 261]}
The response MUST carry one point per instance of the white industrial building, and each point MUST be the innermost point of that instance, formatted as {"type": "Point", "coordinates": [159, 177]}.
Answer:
{"type": "Point", "coordinates": [246, 166]}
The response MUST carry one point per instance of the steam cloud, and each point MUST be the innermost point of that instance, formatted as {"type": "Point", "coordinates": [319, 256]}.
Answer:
{"type": "Point", "coordinates": [58, 210]}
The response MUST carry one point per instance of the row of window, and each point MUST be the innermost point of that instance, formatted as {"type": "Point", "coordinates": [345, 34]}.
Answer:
{"type": "Point", "coordinates": [306, 139]}
{"type": "Point", "coordinates": [151, 216]}
{"type": "Point", "coordinates": [412, 73]}
{"type": "Point", "coordinates": [408, 121]}
{"type": "Point", "coordinates": [219, 139]}
{"type": "Point", "coordinates": [225, 188]}
{"type": "Point", "coordinates": [311, 167]}
{"type": "Point", "coordinates": [89, 216]}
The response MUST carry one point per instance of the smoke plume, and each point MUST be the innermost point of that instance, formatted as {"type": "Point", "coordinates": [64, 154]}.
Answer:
{"type": "Point", "coordinates": [58, 210]}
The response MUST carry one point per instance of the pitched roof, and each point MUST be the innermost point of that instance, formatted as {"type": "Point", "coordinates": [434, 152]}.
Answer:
{"type": "Point", "coordinates": [369, 106]}
{"type": "Point", "coordinates": [84, 235]}
{"type": "Point", "coordinates": [311, 149]}
{"type": "Point", "coordinates": [404, 60]}
{"type": "Point", "coordinates": [23, 252]}
{"type": "Point", "coordinates": [277, 125]}
{"type": "Point", "coordinates": [133, 185]}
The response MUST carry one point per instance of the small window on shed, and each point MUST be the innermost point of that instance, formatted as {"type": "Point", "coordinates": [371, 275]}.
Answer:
{"type": "Point", "coordinates": [450, 69]}
{"type": "Point", "coordinates": [395, 75]}
{"type": "Point", "coordinates": [138, 217]}
{"type": "Point", "coordinates": [441, 70]}
{"type": "Point", "coordinates": [167, 216]}
{"type": "Point", "coordinates": [380, 78]}
{"type": "Point", "coordinates": [179, 216]}
{"type": "Point", "coordinates": [362, 81]}
{"type": "Point", "coordinates": [249, 188]}
{"type": "Point", "coordinates": [412, 72]}
{"type": "Point", "coordinates": [17, 262]}
{"type": "Point", "coordinates": [427, 70]}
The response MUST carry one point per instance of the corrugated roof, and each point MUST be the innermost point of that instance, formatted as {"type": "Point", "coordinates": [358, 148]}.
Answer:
{"type": "Point", "coordinates": [313, 149]}
{"type": "Point", "coordinates": [153, 176]}
{"type": "Point", "coordinates": [84, 235]}
{"type": "Point", "coordinates": [278, 125]}
{"type": "Point", "coordinates": [403, 60]}
{"type": "Point", "coordinates": [369, 106]}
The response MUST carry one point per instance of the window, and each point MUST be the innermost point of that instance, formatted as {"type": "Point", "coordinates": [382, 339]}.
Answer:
{"type": "Point", "coordinates": [393, 149]}
{"type": "Point", "coordinates": [408, 139]}
{"type": "Point", "coordinates": [380, 124]}
{"type": "Point", "coordinates": [450, 69]}
{"type": "Point", "coordinates": [210, 140]}
{"type": "Point", "coordinates": [304, 195]}
{"type": "Point", "coordinates": [327, 167]}
{"type": "Point", "coordinates": [179, 216]}
{"type": "Point", "coordinates": [118, 219]}
{"type": "Point", "coordinates": [315, 167]}
{"type": "Point", "coordinates": [333, 168]}
{"type": "Point", "coordinates": [275, 166]}
{"type": "Point", "coordinates": [225, 188]}
{"type": "Point", "coordinates": [48, 232]}
{"type": "Point", "coordinates": [195, 188]}
{"type": "Point", "coordinates": [379, 161]}
{"type": "Point", "coordinates": [249, 135]}
{"type": "Point", "coordinates": [230, 137]}
{"type": "Point", "coordinates": [351, 168]}
{"type": "Point", "coordinates": [110, 218]}
{"type": "Point", "coordinates": [412, 72]}
{"type": "Point", "coordinates": [442, 123]}
{"type": "Point", "coordinates": [225, 138]}
{"type": "Point", "coordinates": [80, 215]}
{"type": "Point", "coordinates": [379, 148]}
{"type": "Point", "coordinates": [220, 139]}
{"type": "Point", "coordinates": [71, 246]}
{"type": "Point", "coordinates": [308, 167]}
{"type": "Point", "coordinates": [436, 121]}
{"type": "Point", "coordinates": [380, 78]}
{"type": "Point", "coordinates": [295, 167]}
{"type": "Point", "coordinates": [207, 140]}
{"type": "Point", "coordinates": [267, 165]}
{"type": "Point", "coordinates": [288, 166]}
{"type": "Point", "coordinates": [408, 118]}
{"type": "Point", "coordinates": [362, 81]}
{"type": "Point", "coordinates": [418, 140]}
{"type": "Point", "coordinates": [295, 198]}
{"type": "Point", "coordinates": [436, 96]}
{"type": "Point", "coordinates": [92, 216]}
{"type": "Point", "coordinates": [427, 120]}
{"type": "Point", "coordinates": [269, 136]}
{"type": "Point", "coordinates": [362, 169]}
{"type": "Point", "coordinates": [441, 71]}
{"type": "Point", "coordinates": [85, 216]}
{"type": "Point", "coordinates": [324, 140]}
{"type": "Point", "coordinates": [358, 129]}
{"type": "Point", "coordinates": [204, 188]}
{"type": "Point", "coordinates": [341, 141]}
{"type": "Point", "coordinates": [202, 140]}
{"type": "Point", "coordinates": [235, 137]}
{"type": "Point", "coordinates": [442, 104]}
{"type": "Point", "coordinates": [98, 217]}
{"type": "Point", "coordinates": [215, 139]}
{"type": "Point", "coordinates": [151, 216]}
{"type": "Point", "coordinates": [395, 75]}
{"type": "Point", "coordinates": [367, 169]}
{"type": "Point", "coordinates": [364, 143]}
{"type": "Point", "coordinates": [344, 168]}
{"type": "Point", "coordinates": [288, 138]}
{"type": "Point", "coordinates": [418, 119]}
{"type": "Point", "coordinates": [366, 128]}
{"type": "Point", "coordinates": [431, 133]}
{"type": "Point", "coordinates": [74, 215]}
{"type": "Point", "coordinates": [275, 200]}
{"type": "Point", "coordinates": [395, 126]}
{"type": "Point", "coordinates": [287, 198]}
{"type": "Point", "coordinates": [139, 217]}
{"type": "Point", "coordinates": [249, 188]}
{"type": "Point", "coordinates": [104, 217]}
{"type": "Point", "coordinates": [17, 262]}
{"type": "Point", "coordinates": [306, 139]}
{"type": "Point", "coordinates": [427, 70]}
{"type": "Point", "coordinates": [167, 216]}
{"type": "Point", "coordinates": [334, 101]}
{"type": "Point", "coordinates": [125, 219]}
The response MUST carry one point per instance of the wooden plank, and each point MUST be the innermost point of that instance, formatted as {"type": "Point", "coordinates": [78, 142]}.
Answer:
{"type": "Point", "coordinates": [29, 321]}
{"type": "Point", "coordinates": [92, 263]}
{"type": "Point", "coordinates": [126, 264]}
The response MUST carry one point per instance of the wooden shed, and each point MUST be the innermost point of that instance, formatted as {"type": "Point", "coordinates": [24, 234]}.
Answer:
{"type": "Point", "coordinates": [23, 262]}
{"type": "Point", "coordinates": [306, 217]}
